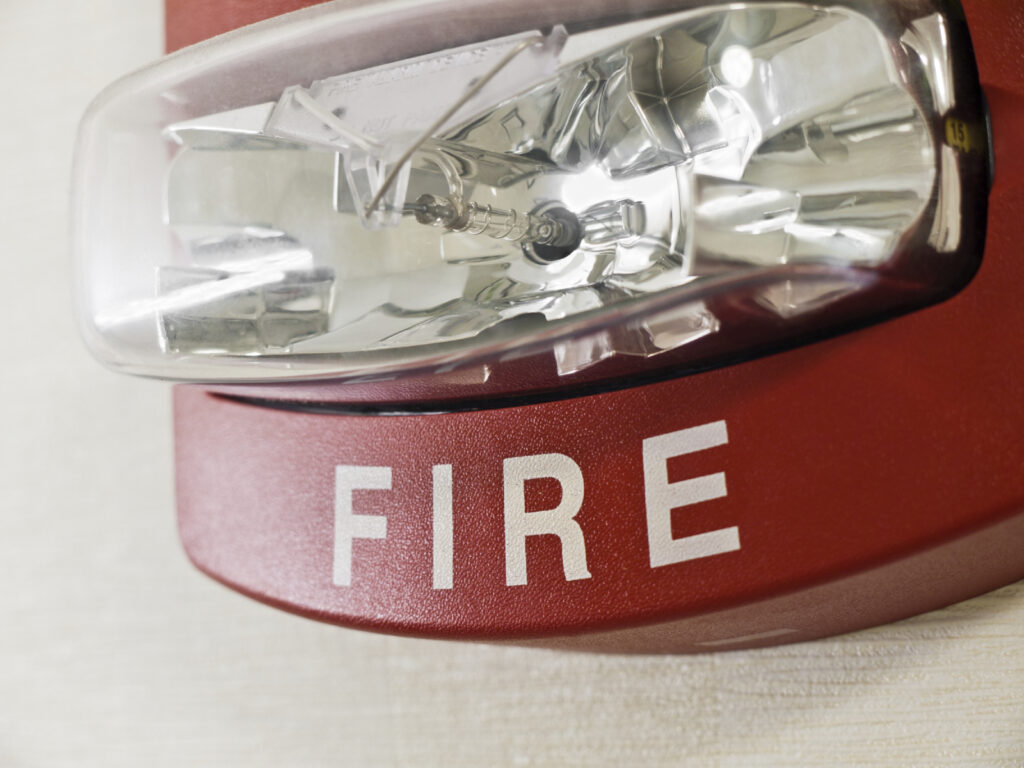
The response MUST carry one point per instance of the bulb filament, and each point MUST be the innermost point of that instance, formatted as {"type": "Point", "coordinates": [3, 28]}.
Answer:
{"type": "Point", "coordinates": [456, 215]}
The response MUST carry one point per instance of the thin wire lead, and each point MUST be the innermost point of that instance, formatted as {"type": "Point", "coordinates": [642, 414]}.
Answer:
{"type": "Point", "coordinates": [472, 91]}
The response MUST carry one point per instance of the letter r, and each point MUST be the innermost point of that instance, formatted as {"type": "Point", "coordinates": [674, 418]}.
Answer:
{"type": "Point", "coordinates": [558, 521]}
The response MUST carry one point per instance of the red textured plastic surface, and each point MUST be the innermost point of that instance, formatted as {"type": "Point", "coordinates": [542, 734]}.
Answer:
{"type": "Point", "coordinates": [191, 21]}
{"type": "Point", "coordinates": [870, 477]}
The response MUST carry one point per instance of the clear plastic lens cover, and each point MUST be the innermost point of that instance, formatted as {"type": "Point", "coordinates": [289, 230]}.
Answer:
{"type": "Point", "coordinates": [284, 203]}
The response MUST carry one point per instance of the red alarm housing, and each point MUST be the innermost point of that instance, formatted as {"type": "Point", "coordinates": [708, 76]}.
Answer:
{"type": "Point", "coordinates": [667, 342]}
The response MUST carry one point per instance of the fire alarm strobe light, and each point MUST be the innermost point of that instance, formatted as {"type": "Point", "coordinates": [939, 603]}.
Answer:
{"type": "Point", "coordinates": [669, 329]}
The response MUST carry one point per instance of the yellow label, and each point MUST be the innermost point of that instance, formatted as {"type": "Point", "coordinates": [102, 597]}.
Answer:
{"type": "Point", "coordinates": [964, 136]}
